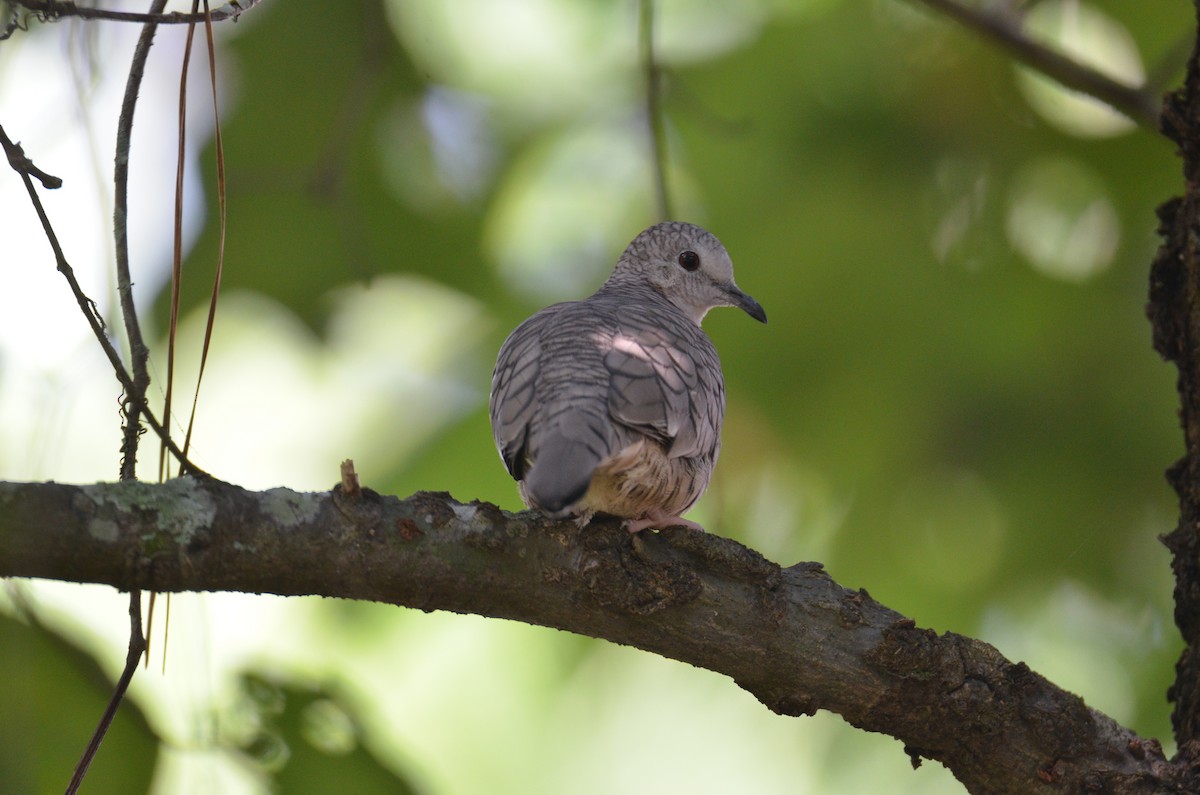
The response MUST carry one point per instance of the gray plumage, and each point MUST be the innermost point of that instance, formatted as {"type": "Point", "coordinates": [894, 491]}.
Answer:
{"type": "Point", "coordinates": [615, 403]}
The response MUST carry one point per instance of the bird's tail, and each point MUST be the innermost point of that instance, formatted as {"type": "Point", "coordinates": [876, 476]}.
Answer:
{"type": "Point", "coordinates": [561, 473]}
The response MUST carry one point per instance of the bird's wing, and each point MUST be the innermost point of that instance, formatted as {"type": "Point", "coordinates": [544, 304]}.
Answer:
{"type": "Point", "coordinates": [513, 402]}
{"type": "Point", "coordinates": [665, 382]}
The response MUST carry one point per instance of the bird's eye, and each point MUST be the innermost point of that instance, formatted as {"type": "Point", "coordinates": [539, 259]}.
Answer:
{"type": "Point", "coordinates": [689, 260]}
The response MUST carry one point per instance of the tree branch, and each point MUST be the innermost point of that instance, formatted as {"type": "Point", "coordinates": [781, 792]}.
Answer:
{"type": "Point", "coordinates": [792, 637]}
{"type": "Point", "coordinates": [1138, 103]}
{"type": "Point", "coordinates": [1174, 312]}
{"type": "Point", "coordinates": [139, 353]}
{"type": "Point", "coordinates": [52, 10]}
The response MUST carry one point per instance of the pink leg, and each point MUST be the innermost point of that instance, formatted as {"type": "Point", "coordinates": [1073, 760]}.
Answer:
{"type": "Point", "coordinates": [657, 519]}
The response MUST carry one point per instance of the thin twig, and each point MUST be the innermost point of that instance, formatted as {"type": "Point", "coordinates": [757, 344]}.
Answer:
{"type": "Point", "coordinates": [139, 355]}
{"type": "Point", "coordinates": [1137, 102]}
{"type": "Point", "coordinates": [137, 644]}
{"type": "Point", "coordinates": [177, 273]}
{"type": "Point", "coordinates": [51, 10]}
{"type": "Point", "coordinates": [138, 352]}
{"type": "Point", "coordinates": [20, 164]}
{"type": "Point", "coordinates": [654, 113]}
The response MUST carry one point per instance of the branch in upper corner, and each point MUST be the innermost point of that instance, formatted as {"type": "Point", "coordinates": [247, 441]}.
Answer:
{"type": "Point", "coordinates": [51, 10]}
{"type": "Point", "coordinates": [792, 637]}
{"type": "Point", "coordinates": [1139, 103]}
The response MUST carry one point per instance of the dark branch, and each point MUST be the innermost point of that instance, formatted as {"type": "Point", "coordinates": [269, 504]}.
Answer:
{"type": "Point", "coordinates": [1174, 312]}
{"type": "Point", "coordinates": [131, 406]}
{"type": "Point", "coordinates": [137, 645]}
{"type": "Point", "coordinates": [51, 10]}
{"type": "Point", "coordinates": [792, 637]}
{"type": "Point", "coordinates": [1138, 103]}
{"type": "Point", "coordinates": [21, 165]}
{"type": "Point", "coordinates": [139, 354]}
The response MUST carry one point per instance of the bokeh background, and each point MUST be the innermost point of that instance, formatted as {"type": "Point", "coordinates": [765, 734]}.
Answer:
{"type": "Point", "coordinates": [955, 405]}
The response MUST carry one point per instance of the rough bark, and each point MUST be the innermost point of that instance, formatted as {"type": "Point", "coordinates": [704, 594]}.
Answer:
{"type": "Point", "coordinates": [1174, 312]}
{"type": "Point", "coordinates": [792, 637]}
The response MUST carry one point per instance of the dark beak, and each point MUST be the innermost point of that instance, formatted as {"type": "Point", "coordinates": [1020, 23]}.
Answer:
{"type": "Point", "coordinates": [746, 304]}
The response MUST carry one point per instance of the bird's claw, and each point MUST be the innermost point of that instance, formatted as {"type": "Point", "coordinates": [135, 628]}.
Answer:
{"type": "Point", "coordinates": [659, 520]}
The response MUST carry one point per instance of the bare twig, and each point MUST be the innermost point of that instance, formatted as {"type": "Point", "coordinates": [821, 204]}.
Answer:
{"type": "Point", "coordinates": [51, 10]}
{"type": "Point", "coordinates": [19, 162]}
{"type": "Point", "coordinates": [138, 352]}
{"type": "Point", "coordinates": [1137, 102]}
{"type": "Point", "coordinates": [654, 112]}
{"type": "Point", "coordinates": [135, 399]}
{"type": "Point", "coordinates": [137, 644]}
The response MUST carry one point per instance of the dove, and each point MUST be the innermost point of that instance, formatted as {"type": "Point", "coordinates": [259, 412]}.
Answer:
{"type": "Point", "coordinates": [614, 404]}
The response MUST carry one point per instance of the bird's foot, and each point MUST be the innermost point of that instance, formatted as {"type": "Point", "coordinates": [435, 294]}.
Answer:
{"type": "Point", "coordinates": [657, 520]}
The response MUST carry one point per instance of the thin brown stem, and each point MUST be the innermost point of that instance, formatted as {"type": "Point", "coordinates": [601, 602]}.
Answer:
{"type": "Point", "coordinates": [222, 216]}
{"type": "Point", "coordinates": [176, 248]}
{"type": "Point", "coordinates": [135, 399]}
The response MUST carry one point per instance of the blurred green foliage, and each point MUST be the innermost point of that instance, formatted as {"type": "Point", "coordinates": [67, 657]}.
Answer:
{"type": "Point", "coordinates": [955, 404]}
{"type": "Point", "coordinates": [305, 738]}
{"type": "Point", "coordinates": [49, 684]}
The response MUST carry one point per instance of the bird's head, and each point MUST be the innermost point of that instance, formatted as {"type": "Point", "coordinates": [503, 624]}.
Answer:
{"type": "Point", "coordinates": [689, 266]}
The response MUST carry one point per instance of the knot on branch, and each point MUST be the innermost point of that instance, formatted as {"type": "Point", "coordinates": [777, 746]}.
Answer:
{"type": "Point", "coordinates": [20, 163]}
